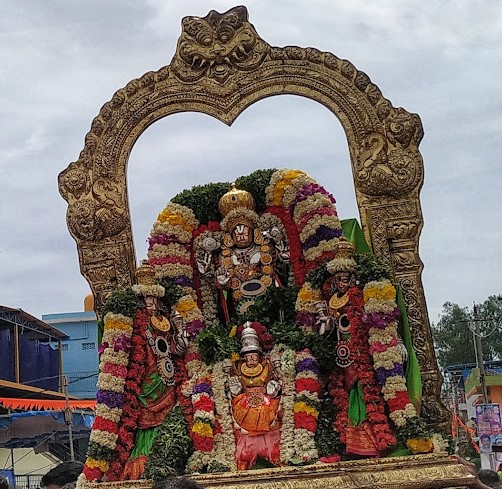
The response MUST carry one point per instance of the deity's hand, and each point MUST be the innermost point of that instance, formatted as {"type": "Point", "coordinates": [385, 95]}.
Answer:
{"type": "Point", "coordinates": [204, 261]}
{"type": "Point", "coordinates": [181, 343]}
{"type": "Point", "coordinates": [227, 366]}
{"type": "Point", "coordinates": [222, 276]}
{"type": "Point", "coordinates": [273, 388]}
{"type": "Point", "coordinates": [235, 386]}
{"type": "Point", "coordinates": [177, 321]}
{"type": "Point", "coordinates": [282, 247]}
{"type": "Point", "coordinates": [323, 321]}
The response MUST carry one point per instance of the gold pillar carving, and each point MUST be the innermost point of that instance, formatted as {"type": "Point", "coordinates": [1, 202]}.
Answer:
{"type": "Point", "coordinates": [221, 74]}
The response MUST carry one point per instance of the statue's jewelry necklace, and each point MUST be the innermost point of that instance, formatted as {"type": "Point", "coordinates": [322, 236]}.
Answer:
{"type": "Point", "coordinates": [251, 371]}
{"type": "Point", "coordinates": [161, 323]}
{"type": "Point", "coordinates": [248, 280]}
{"type": "Point", "coordinates": [162, 350]}
{"type": "Point", "coordinates": [337, 302]}
{"type": "Point", "coordinates": [344, 356]}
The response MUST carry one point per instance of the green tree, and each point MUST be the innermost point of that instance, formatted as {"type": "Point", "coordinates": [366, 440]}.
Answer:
{"type": "Point", "coordinates": [454, 340]}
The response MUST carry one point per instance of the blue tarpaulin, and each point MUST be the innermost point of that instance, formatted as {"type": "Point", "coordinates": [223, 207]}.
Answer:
{"type": "Point", "coordinates": [28, 429]}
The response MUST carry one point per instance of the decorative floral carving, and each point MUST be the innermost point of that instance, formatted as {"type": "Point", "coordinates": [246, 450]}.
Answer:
{"type": "Point", "coordinates": [75, 182]}
{"type": "Point", "coordinates": [110, 211]}
{"type": "Point", "coordinates": [393, 173]}
{"type": "Point", "coordinates": [404, 128]}
{"type": "Point", "coordinates": [80, 219]}
{"type": "Point", "coordinates": [404, 259]}
{"type": "Point", "coordinates": [217, 46]}
{"type": "Point", "coordinates": [402, 230]}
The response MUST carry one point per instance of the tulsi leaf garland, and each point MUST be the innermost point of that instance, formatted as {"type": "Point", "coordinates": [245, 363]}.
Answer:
{"type": "Point", "coordinates": [171, 449]}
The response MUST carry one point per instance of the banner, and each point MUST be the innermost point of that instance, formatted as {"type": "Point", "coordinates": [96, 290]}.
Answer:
{"type": "Point", "coordinates": [489, 425]}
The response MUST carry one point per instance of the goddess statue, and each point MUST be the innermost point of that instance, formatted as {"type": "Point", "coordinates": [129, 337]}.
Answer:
{"type": "Point", "coordinates": [254, 388]}
{"type": "Point", "coordinates": [166, 340]}
{"type": "Point", "coordinates": [359, 404]}
{"type": "Point", "coordinates": [243, 264]}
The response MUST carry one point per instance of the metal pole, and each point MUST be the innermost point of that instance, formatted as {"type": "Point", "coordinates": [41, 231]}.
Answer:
{"type": "Point", "coordinates": [479, 355]}
{"type": "Point", "coordinates": [12, 453]}
{"type": "Point", "coordinates": [68, 417]}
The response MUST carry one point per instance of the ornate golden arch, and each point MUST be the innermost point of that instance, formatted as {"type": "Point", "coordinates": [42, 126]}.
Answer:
{"type": "Point", "coordinates": [221, 67]}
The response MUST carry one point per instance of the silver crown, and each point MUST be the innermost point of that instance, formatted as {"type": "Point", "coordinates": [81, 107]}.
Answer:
{"type": "Point", "coordinates": [249, 340]}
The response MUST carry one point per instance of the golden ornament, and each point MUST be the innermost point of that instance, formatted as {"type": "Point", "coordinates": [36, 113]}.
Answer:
{"type": "Point", "coordinates": [338, 302]}
{"type": "Point", "coordinates": [251, 371]}
{"type": "Point", "coordinates": [161, 323]}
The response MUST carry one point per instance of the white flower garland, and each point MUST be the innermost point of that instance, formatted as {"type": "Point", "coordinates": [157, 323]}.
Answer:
{"type": "Point", "coordinates": [287, 445]}
{"type": "Point", "coordinates": [224, 442]}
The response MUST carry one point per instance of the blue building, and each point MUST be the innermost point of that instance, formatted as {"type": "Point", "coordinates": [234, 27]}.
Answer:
{"type": "Point", "coordinates": [80, 349]}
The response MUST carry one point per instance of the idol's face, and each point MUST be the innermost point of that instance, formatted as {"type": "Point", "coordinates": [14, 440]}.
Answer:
{"type": "Point", "coordinates": [342, 281]}
{"type": "Point", "coordinates": [252, 359]}
{"type": "Point", "coordinates": [151, 304]}
{"type": "Point", "coordinates": [242, 235]}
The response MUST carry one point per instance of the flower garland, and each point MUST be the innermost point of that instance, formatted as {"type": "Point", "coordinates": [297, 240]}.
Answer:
{"type": "Point", "coordinates": [202, 432]}
{"type": "Point", "coordinates": [297, 259]}
{"type": "Point", "coordinates": [170, 253]}
{"type": "Point", "coordinates": [224, 439]}
{"type": "Point", "coordinates": [375, 407]}
{"type": "Point", "coordinates": [212, 234]}
{"type": "Point", "coordinates": [313, 210]}
{"type": "Point", "coordinates": [305, 307]}
{"type": "Point", "coordinates": [381, 320]}
{"type": "Point", "coordinates": [170, 250]}
{"type": "Point", "coordinates": [193, 321]}
{"type": "Point", "coordinates": [287, 444]}
{"type": "Point", "coordinates": [110, 397]}
{"type": "Point", "coordinates": [306, 405]}
{"type": "Point", "coordinates": [130, 411]}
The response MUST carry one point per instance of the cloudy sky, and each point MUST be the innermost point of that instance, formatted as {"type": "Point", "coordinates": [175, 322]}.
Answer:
{"type": "Point", "coordinates": [62, 60]}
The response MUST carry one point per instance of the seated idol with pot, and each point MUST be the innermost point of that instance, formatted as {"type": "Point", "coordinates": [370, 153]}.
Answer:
{"type": "Point", "coordinates": [254, 385]}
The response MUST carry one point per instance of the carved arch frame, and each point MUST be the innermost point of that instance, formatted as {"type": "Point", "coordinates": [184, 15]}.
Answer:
{"type": "Point", "coordinates": [383, 145]}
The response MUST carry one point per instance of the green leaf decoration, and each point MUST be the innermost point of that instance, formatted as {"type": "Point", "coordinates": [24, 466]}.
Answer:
{"type": "Point", "coordinates": [256, 183]}
{"type": "Point", "coordinates": [122, 301]}
{"type": "Point", "coordinates": [414, 427]}
{"type": "Point", "coordinates": [203, 200]}
{"type": "Point", "coordinates": [173, 292]}
{"type": "Point", "coordinates": [171, 449]}
{"type": "Point", "coordinates": [371, 267]}
{"type": "Point", "coordinates": [215, 344]}
{"type": "Point", "coordinates": [326, 438]}
{"type": "Point", "coordinates": [276, 305]}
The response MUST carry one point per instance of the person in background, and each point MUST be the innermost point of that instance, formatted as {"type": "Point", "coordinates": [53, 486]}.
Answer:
{"type": "Point", "coordinates": [490, 478]}
{"type": "Point", "coordinates": [4, 483]}
{"type": "Point", "coordinates": [62, 474]}
{"type": "Point", "coordinates": [176, 483]}
{"type": "Point", "coordinates": [485, 479]}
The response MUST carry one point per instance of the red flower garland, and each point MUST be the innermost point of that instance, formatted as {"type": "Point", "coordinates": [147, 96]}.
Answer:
{"type": "Point", "coordinates": [375, 406]}
{"type": "Point", "coordinates": [185, 403]}
{"type": "Point", "coordinates": [306, 421]}
{"type": "Point", "coordinates": [130, 410]}
{"type": "Point", "coordinates": [295, 247]}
